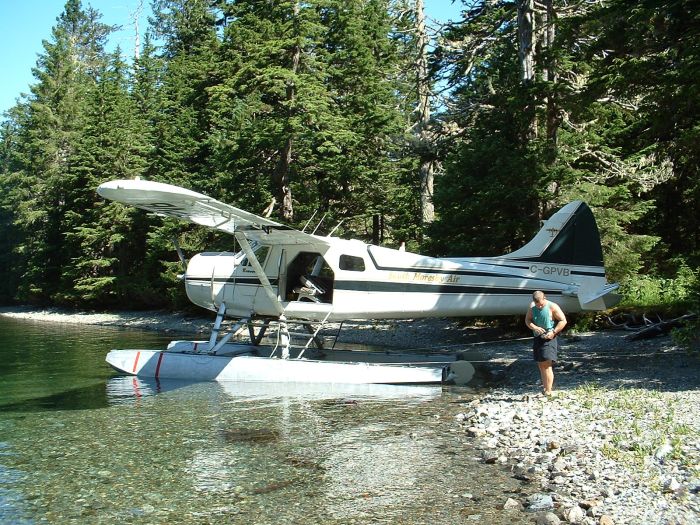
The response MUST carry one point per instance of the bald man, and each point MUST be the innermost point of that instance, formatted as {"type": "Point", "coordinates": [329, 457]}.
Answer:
{"type": "Point", "coordinates": [546, 320]}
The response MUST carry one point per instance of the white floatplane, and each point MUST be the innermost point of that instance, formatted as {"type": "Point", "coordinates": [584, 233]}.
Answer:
{"type": "Point", "coordinates": [282, 275]}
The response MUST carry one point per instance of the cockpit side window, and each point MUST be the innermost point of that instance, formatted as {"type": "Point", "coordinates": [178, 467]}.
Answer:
{"type": "Point", "coordinates": [261, 252]}
{"type": "Point", "coordinates": [352, 263]}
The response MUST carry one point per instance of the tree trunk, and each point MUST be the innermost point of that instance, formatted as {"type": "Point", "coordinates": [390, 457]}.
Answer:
{"type": "Point", "coordinates": [526, 39]}
{"type": "Point", "coordinates": [280, 177]}
{"type": "Point", "coordinates": [550, 73]}
{"type": "Point", "coordinates": [527, 42]}
{"type": "Point", "coordinates": [426, 157]}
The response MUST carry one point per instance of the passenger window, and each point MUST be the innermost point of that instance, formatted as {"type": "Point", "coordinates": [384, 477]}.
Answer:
{"type": "Point", "coordinates": [352, 263]}
{"type": "Point", "coordinates": [260, 254]}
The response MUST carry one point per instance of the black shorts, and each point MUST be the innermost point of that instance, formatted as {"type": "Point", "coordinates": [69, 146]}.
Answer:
{"type": "Point", "coordinates": [544, 349]}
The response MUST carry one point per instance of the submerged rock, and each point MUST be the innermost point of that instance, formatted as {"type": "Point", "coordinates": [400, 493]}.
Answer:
{"type": "Point", "coordinates": [250, 435]}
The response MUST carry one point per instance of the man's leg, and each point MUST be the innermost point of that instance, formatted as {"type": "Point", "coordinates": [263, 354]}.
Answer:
{"type": "Point", "coordinates": [547, 375]}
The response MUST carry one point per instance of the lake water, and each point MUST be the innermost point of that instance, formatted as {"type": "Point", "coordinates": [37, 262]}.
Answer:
{"type": "Point", "coordinates": [79, 444]}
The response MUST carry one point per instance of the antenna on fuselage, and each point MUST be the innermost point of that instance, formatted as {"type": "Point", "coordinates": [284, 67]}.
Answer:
{"type": "Point", "coordinates": [307, 222]}
{"type": "Point", "coordinates": [336, 227]}
{"type": "Point", "coordinates": [319, 223]}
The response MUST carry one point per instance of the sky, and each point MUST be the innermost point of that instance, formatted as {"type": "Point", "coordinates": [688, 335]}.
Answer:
{"type": "Point", "coordinates": [24, 24]}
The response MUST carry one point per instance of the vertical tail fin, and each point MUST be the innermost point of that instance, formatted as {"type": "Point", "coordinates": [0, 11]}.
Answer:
{"type": "Point", "coordinates": [570, 236]}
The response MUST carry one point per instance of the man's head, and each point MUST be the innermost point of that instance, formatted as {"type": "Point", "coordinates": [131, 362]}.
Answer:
{"type": "Point", "coordinates": [539, 298]}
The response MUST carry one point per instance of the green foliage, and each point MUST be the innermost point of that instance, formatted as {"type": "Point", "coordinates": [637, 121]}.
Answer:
{"type": "Point", "coordinates": [645, 291]}
{"type": "Point", "coordinates": [312, 102]}
{"type": "Point", "coordinates": [689, 335]}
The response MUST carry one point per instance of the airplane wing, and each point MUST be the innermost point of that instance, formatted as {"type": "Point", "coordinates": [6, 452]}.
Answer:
{"type": "Point", "coordinates": [174, 201]}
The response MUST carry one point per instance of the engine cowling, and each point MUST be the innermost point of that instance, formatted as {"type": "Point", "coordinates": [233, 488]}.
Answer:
{"type": "Point", "coordinates": [209, 278]}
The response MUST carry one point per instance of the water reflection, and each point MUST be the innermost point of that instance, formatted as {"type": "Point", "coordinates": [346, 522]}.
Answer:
{"type": "Point", "coordinates": [81, 398]}
{"type": "Point", "coordinates": [125, 389]}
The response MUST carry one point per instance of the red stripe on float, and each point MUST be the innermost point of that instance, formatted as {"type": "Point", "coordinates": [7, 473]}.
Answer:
{"type": "Point", "coordinates": [160, 359]}
{"type": "Point", "coordinates": [137, 390]}
{"type": "Point", "coordinates": [136, 361]}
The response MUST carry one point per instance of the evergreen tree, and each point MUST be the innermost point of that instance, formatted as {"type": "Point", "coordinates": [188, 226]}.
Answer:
{"type": "Point", "coordinates": [359, 149]}
{"type": "Point", "coordinates": [42, 187]}
{"type": "Point", "coordinates": [107, 238]}
{"type": "Point", "coordinates": [532, 138]}
{"type": "Point", "coordinates": [307, 108]}
{"type": "Point", "coordinates": [173, 91]}
{"type": "Point", "coordinates": [646, 62]}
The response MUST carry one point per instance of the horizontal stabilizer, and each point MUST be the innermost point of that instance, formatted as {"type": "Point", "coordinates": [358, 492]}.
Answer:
{"type": "Point", "coordinates": [602, 299]}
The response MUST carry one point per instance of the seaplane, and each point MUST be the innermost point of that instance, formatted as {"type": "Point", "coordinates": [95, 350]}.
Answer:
{"type": "Point", "coordinates": [281, 275]}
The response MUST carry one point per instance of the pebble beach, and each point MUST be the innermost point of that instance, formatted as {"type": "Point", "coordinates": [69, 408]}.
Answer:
{"type": "Point", "coordinates": [618, 443]}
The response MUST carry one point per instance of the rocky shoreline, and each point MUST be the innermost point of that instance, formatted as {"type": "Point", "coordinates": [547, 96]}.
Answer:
{"type": "Point", "coordinates": [619, 444]}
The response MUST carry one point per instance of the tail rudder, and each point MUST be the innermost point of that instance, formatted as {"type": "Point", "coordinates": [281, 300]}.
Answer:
{"type": "Point", "coordinates": [570, 237]}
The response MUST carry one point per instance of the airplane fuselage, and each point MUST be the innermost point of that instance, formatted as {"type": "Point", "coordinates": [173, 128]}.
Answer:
{"type": "Point", "coordinates": [282, 272]}
{"type": "Point", "coordinates": [360, 281]}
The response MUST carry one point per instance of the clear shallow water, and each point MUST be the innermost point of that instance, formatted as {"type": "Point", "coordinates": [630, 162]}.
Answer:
{"type": "Point", "coordinates": [79, 444]}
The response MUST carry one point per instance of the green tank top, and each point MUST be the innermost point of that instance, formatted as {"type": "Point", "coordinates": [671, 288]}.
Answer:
{"type": "Point", "coordinates": [543, 317]}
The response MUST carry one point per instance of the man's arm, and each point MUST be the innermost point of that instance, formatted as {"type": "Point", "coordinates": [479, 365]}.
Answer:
{"type": "Point", "coordinates": [558, 315]}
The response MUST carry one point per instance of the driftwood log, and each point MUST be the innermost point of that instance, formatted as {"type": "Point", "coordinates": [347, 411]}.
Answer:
{"type": "Point", "coordinates": [646, 328]}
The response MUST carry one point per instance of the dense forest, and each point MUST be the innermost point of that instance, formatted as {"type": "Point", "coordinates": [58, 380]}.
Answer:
{"type": "Point", "coordinates": [456, 139]}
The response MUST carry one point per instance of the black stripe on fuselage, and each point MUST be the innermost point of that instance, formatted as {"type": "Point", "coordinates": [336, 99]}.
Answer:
{"type": "Point", "coordinates": [476, 273]}
{"type": "Point", "coordinates": [381, 286]}
{"type": "Point", "coordinates": [230, 280]}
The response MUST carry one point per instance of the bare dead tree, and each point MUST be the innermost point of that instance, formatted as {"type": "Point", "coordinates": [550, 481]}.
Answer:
{"type": "Point", "coordinates": [280, 176]}
{"type": "Point", "coordinates": [426, 158]}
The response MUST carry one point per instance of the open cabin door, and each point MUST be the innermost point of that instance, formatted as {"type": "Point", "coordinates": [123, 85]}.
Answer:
{"type": "Point", "coordinates": [309, 278]}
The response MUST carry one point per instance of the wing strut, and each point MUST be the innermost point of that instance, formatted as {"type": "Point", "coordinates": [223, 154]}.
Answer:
{"type": "Point", "coordinates": [265, 282]}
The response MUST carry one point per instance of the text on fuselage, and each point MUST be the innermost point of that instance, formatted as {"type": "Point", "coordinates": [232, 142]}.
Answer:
{"type": "Point", "coordinates": [550, 270]}
{"type": "Point", "coordinates": [423, 277]}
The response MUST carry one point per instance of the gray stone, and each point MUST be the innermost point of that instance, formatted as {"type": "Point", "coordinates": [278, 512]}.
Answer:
{"type": "Point", "coordinates": [559, 466]}
{"type": "Point", "coordinates": [663, 451]}
{"type": "Point", "coordinates": [476, 432]}
{"type": "Point", "coordinates": [512, 504]}
{"type": "Point", "coordinates": [489, 456]}
{"type": "Point", "coordinates": [538, 502]}
{"type": "Point", "coordinates": [671, 485]}
{"type": "Point", "coordinates": [573, 514]}
{"type": "Point", "coordinates": [547, 518]}
{"type": "Point", "coordinates": [694, 485]}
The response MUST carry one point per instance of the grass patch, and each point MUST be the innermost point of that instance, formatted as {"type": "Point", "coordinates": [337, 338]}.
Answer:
{"type": "Point", "coordinates": [638, 421]}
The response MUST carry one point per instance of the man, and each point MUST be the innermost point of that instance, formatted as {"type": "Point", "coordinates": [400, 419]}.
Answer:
{"type": "Point", "coordinates": [546, 320]}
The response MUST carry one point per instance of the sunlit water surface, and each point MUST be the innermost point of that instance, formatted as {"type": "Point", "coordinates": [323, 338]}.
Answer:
{"type": "Point", "coordinates": [79, 444]}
